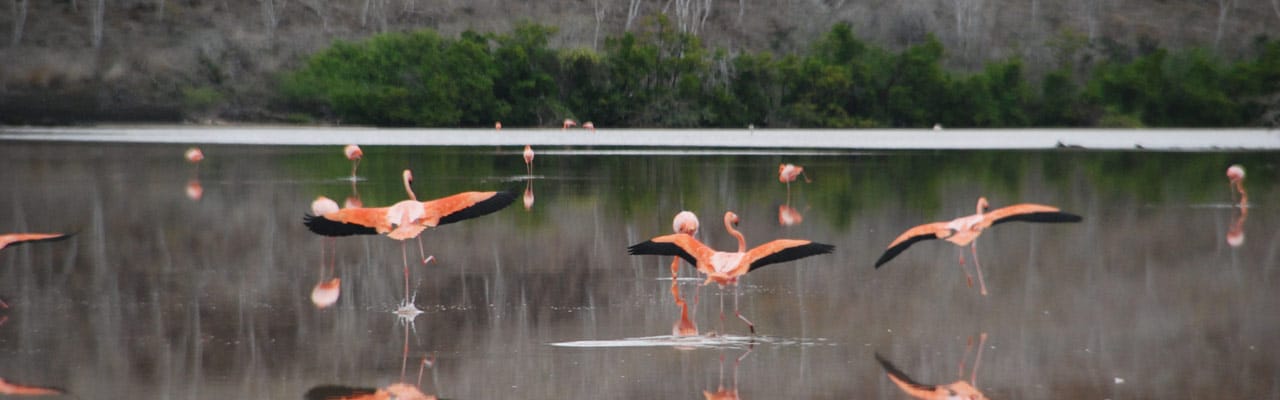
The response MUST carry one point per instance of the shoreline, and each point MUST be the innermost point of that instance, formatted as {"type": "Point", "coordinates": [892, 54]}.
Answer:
{"type": "Point", "coordinates": [833, 139]}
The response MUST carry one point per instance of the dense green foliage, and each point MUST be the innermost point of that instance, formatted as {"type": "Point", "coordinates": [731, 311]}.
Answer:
{"type": "Point", "coordinates": [658, 77]}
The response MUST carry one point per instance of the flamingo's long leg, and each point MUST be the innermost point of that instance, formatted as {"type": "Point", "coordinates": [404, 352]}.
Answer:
{"type": "Point", "coordinates": [750, 325]}
{"type": "Point", "coordinates": [404, 253]}
{"type": "Point", "coordinates": [675, 268]}
{"type": "Point", "coordinates": [421, 251]}
{"type": "Point", "coordinates": [721, 328]}
{"type": "Point", "coordinates": [973, 379]}
{"type": "Point", "coordinates": [968, 278]}
{"type": "Point", "coordinates": [354, 164]}
{"type": "Point", "coordinates": [978, 266]}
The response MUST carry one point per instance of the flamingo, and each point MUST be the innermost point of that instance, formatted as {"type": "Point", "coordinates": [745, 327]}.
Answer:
{"type": "Point", "coordinates": [1235, 235]}
{"type": "Point", "coordinates": [14, 239]}
{"type": "Point", "coordinates": [401, 390]}
{"type": "Point", "coordinates": [787, 173]}
{"type": "Point", "coordinates": [568, 123]}
{"type": "Point", "coordinates": [353, 153]}
{"type": "Point", "coordinates": [965, 230]}
{"type": "Point", "coordinates": [952, 391]}
{"type": "Point", "coordinates": [1235, 176]}
{"type": "Point", "coordinates": [194, 155]}
{"type": "Point", "coordinates": [726, 268]}
{"type": "Point", "coordinates": [589, 126]}
{"type": "Point", "coordinates": [497, 125]}
{"type": "Point", "coordinates": [685, 222]}
{"type": "Point", "coordinates": [408, 218]}
{"type": "Point", "coordinates": [528, 159]}
{"type": "Point", "coordinates": [13, 389]}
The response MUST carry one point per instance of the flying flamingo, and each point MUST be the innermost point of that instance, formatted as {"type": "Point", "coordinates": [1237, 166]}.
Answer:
{"type": "Point", "coordinates": [408, 218]}
{"type": "Point", "coordinates": [589, 126]}
{"type": "Point", "coordinates": [956, 390]}
{"type": "Point", "coordinates": [15, 239]}
{"type": "Point", "coordinates": [965, 230]}
{"type": "Point", "coordinates": [354, 154]}
{"type": "Point", "coordinates": [326, 292]}
{"type": "Point", "coordinates": [788, 173]}
{"type": "Point", "coordinates": [726, 268]}
{"type": "Point", "coordinates": [568, 123]}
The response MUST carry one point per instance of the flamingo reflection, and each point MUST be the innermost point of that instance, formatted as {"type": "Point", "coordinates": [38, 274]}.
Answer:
{"type": "Point", "coordinates": [401, 390]}
{"type": "Point", "coordinates": [965, 231]}
{"type": "Point", "coordinates": [1235, 176]}
{"type": "Point", "coordinates": [788, 216]}
{"type": "Point", "coordinates": [731, 392]}
{"type": "Point", "coordinates": [726, 268]}
{"type": "Point", "coordinates": [957, 390]}
{"type": "Point", "coordinates": [14, 389]}
{"type": "Point", "coordinates": [14, 239]}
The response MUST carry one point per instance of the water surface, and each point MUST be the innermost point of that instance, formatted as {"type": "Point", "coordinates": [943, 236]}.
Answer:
{"type": "Point", "coordinates": [160, 295]}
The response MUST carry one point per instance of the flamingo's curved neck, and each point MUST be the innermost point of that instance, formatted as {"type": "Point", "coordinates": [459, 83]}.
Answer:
{"type": "Point", "coordinates": [742, 242]}
{"type": "Point", "coordinates": [408, 187]}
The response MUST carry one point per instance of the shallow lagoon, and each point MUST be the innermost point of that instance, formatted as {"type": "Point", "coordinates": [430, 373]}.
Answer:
{"type": "Point", "coordinates": [163, 296]}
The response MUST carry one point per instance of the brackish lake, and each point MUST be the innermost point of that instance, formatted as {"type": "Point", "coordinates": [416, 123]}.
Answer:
{"type": "Point", "coordinates": [163, 293]}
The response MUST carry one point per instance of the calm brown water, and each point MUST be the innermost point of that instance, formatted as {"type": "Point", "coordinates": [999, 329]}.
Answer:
{"type": "Point", "coordinates": [163, 296]}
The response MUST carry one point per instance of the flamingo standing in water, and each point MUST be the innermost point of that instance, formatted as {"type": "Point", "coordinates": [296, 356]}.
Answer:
{"type": "Point", "coordinates": [589, 126]}
{"type": "Point", "coordinates": [354, 154]}
{"type": "Point", "coordinates": [965, 231]}
{"type": "Point", "coordinates": [1235, 175]}
{"type": "Point", "coordinates": [408, 218]}
{"type": "Point", "coordinates": [788, 173]}
{"type": "Point", "coordinates": [528, 159]}
{"type": "Point", "coordinates": [726, 268]}
{"type": "Point", "coordinates": [568, 123]}
{"type": "Point", "coordinates": [194, 155]}
{"type": "Point", "coordinates": [497, 125]}
{"type": "Point", "coordinates": [685, 222]}
{"type": "Point", "coordinates": [14, 239]}
{"type": "Point", "coordinates": [194, 190]}
{"type": "Point", "coordinates": [957, 390]}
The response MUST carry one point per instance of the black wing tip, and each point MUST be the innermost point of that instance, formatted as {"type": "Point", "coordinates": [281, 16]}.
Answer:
{"type": "Point", "coordinates": [326, 227]}
{"type": "Point", "coordinates": [500, 200]}
{"type": "Point", "coordinates": [890, 369]}
{"type": "Point", "coordinates": [1043, 217]}
{"type": "Point", "coordinates": [330, 392]}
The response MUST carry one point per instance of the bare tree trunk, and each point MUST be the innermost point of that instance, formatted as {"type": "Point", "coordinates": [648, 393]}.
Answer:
{"type": "Point", "coordinates": [633, 10]}
{"type": "Point", "coordinates": [364, 14]}
{"type": "Point", "coordinates": [1224, 9]}
{"type": "Point", "coordinates": [99, 10]}
{"type": "Point", "coordinates": [742, 9]}
{"type": "Point", "coordinates": [19, 20]}
{"type": "Point", "coordinates": [269, 20]}
{"type": "Point", "coordinates": [160, 10]}
{"type": "Point", "coordinates": [1275, 6]}
{"type": "Point", "coordinates": [600, 10]}
{"type": "Point", "coordinates": [317, 7]}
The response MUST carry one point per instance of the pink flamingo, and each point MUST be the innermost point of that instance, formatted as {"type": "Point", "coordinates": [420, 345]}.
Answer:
{"type": "Point", "coordinates": [726, 268]}
{"type": "Point", "coordinates": [568, 123]}
{"type": "Point", "coordinates": [528, 159]}
{"type": "Point", "coordinates": [788, 216]}
{"type": "Point", "coordinates": [589, 126]}
{"type": "Point", "coordinates": [194, 155]}
{"type": "Point", "coordinates": [497, 126]}
{"type": "Point", "coordinates": [788, 173]}
{"type": "Point", "coordinates": [1235, 235]}
{"type": "Point", "coordinates": [354, 154]}
{"type": "Point", "coordinates": [964, 231]}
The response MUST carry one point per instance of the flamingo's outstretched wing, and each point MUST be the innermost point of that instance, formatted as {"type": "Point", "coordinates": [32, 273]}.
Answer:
{"type": "Point", "coordinates": [331, 392]}
{"type": "Point", "coordinates": [1028, 212]}
{"type": "Point", "coordinates": [14, 239]}
{"type": "Point", "coordinates": [783, 250]}
{"type": "Point", "coordinates": [913, 388]}
{"type": "Point", "coordinates": [25, 390]}
{"type": "Point", "coordinates": [679, 244]}
{"type": "Point", "coordinates": [910, 237]}
{"type": "Point", "coordinates": [347, 222]}
{"type": "Point", "coordinates": [466, 205]}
